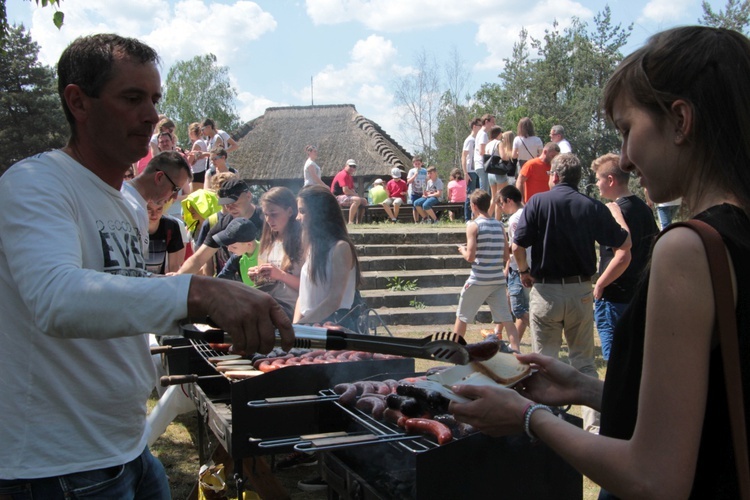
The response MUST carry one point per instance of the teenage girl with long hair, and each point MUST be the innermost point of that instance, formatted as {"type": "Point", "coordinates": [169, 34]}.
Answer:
{"type": "Point", "coordinates": [280, 255]}
{"type": "Point", "coordinates": [330, 274]}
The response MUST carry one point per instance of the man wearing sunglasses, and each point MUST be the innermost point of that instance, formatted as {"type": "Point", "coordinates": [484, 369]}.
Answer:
{"type": "Point", "coordinates": [160, 182]}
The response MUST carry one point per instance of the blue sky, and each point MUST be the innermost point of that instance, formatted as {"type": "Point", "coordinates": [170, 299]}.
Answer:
{"type": "Point", "coordinates": [354, 50]}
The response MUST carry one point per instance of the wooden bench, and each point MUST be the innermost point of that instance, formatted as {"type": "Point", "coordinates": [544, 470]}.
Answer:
{"type": "Point", "coordinates": [376, 213]}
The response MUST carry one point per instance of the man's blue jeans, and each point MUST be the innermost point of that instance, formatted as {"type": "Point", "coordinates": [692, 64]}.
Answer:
{"type": "Point", "coordinates": [472, 183]}
{"type": "Point", "coordinates": [606, 315]}
{"type": "Point", "coordinates": [143, 478]}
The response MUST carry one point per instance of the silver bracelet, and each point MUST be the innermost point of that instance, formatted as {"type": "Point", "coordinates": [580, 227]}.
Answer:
{"type": "Point", "coordinates": [527, 419]}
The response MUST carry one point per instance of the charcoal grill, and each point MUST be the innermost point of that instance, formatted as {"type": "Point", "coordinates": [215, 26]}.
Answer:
{"type": "Point", "coordinates": [476, 466]}
{"type": "Point", "coordinates": [387, 466]}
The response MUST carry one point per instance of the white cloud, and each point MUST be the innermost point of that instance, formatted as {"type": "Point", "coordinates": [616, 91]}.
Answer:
{"type": "Point", "coordinates": [665, 10]}
{"type": "Point", "coordinates": [179, 31]}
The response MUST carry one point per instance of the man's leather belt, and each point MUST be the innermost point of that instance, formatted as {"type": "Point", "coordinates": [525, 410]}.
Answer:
{"type": "Point", "coordinates": [566, 280]}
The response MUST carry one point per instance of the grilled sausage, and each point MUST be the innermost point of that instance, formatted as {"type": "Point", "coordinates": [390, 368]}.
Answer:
{"type": "Point", "coordinates": [371, 405]}
{"type": "Point", "coordinates": [347, 394]}
{"type": "Point", "coordinates": [394, 416]}
{"type": "Point", "coordinates": [426, 426]}
{"type": "Point", "coordinates": [482, 351]}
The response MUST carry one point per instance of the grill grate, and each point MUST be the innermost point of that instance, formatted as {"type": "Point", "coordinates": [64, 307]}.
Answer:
{"type": "Point", "coordinates": [379, 428]}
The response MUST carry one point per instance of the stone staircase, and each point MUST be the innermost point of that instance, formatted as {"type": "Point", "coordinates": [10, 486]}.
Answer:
{"type": "Point", "coordinates": [424, 255]}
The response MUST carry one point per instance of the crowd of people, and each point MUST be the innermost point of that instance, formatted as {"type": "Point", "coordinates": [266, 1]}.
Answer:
{"type": "Point", "coordinates": [76, 321]}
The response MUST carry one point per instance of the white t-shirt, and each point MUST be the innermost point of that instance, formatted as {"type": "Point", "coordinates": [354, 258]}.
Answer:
{"type": "Point", "coordinates": [221, 140]}
{"type": "Point", "coordinates": [140, 207]}
{"type": "Point", "coordinates": [512, 225]}
{"type": "Point", "coordinates": [308, 179]}
{"type": "Point", "coordinates": [564, 146]}
{"type": "Point", "coordinates": [311, 294]}
{"type": "Point", "coordinates": [75, 364]}
{"type": "Point", "coordinates": [280, 290]}
{"type": "Point", "coordinates": [482, 138]}
{"type": "Point", "coordinates": [528, 148]}
{"type": "Point", "coordinates": [469, 146]}
{"type": "Point", "coordinates": [202, 164]}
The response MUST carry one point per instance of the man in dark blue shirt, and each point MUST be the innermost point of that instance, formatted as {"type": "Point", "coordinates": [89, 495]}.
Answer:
{"type": "Point", "coordinates": [562, 226]}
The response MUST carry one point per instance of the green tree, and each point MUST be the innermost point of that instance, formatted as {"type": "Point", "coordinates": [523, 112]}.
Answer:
{"type": "Point", "coordinates": [735, 16]}
{"type": "Point", "coordinates": [197, 89]}
{"type": "Point", "coordinates": [31, 117]}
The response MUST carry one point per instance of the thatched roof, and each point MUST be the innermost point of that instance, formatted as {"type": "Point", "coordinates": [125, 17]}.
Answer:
{"type": "Point", "coordinates": [272, 146]}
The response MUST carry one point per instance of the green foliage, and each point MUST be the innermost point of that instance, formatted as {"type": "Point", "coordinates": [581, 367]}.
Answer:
{"type": "Point", "coordinates": [561, 83]}
{"type": "Point", "coordinates": [199, 89]}
{"type": "Point", "coordinates": [735, 16]}
{"type": "Point", "coordinates": [31, 117]}
{"type": "Point", "coordinates": [396, 284]}
{"type": "Point", "coordinates": [416, 304]}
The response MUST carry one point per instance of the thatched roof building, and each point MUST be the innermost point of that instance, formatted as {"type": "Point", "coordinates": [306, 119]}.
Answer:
{"type": "Point", "coordinates": [272, 146]}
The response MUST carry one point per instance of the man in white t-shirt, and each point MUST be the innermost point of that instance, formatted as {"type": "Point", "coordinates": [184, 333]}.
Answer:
{"type": "Point", "coordinates": [467, 164]}
{"type": "Point", "coordinates": [77, 319]}
{"type": "Point", "coordinates": [480, 143]}
{"type": "Point", "coordinates": [557, 135]}
{"type": "Point", "coordinates": [510, 201]}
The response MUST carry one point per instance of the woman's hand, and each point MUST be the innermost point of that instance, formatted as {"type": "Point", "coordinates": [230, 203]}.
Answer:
{"type": "Point", "coordinates": [554, 383]}
{"type": "Point", "coordinates": [495, 411]}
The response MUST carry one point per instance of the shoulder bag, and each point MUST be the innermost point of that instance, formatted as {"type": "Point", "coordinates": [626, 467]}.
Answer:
{"type": "Point", "coordinates": [726, 325]}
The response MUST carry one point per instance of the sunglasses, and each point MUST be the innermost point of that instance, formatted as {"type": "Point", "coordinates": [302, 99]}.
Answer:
{"type": "Point", "coordinates": [175, 188]}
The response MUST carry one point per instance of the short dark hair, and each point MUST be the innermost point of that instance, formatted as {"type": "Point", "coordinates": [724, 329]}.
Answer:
{"type": "Point", "coordinates": [476, 122]}
{"type": "Point", "coordinates": [172, 161]}
{"type": "Point", "coordinates": [481, 199]}
{"type": "Point", "coordinates": [208, 122]}
{"type": "Point", "coordinates": [495, 131]}
{"type": "Point", "coordinates": [567, 166]}
{"type": "Point", "coordinates": [511, 193]}
{"type": "Point", "coordinates": [88, 62]}
{"type": "Point", "coordinates": [431, 168]}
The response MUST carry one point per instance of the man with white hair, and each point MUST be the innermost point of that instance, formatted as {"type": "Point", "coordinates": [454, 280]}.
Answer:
{"type": "Point", "coordinates": [557, 135]}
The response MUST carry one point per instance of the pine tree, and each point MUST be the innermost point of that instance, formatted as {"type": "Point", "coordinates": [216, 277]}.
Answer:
{"type": "Point", "coordinates": [31, 117]}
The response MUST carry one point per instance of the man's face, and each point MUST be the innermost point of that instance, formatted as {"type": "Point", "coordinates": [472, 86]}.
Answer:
{"type": "Point", "coordinates": [240, 207]}
{"type": "Point", "coordinates": [208, 131]}
{"type": "Point", "coordinates": [165, 143]}
{"type": "Point", "coordinates": [604, 183]}
{"type": "Point", "coordinates": [432, 174]}
{"type": "Point", "coordinates": [119, 123]}
{"type": "Point", "coordinates": [351, 169]}
{"type": "Point", "coordinates": [506, 207]}
{"type": "Point", "coordinates": [489, 124]}
{"type": "Point", "coordinates": [169, 184]}
{"type": "Point", "coordinates": [554, 137]}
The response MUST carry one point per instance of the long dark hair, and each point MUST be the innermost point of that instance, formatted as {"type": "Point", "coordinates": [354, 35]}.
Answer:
{"type": "Point", "coordinates": [291, 238]}
{"type": "Point", "coordinates": [709, 68]}
{"type": "Point", "coordinates": [322, 228]}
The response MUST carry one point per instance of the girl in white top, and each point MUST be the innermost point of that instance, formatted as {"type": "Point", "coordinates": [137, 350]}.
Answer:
{"type": "Point", "coordinates": [526, 145]}
{"type": "Point", "coordinates": [280, 257]}
{"type": "Point", "coordinates": [311, 170]}
{"type": "Point", "coordinates": [198, 157]}
{"type": "Point", "coordinates": [330, 274]}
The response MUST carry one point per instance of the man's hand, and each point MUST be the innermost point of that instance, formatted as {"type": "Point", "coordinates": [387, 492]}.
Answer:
{"type": "Point", "coordinates": [526, 280]}
{"type": "Point", "coordinates": [249, 316]}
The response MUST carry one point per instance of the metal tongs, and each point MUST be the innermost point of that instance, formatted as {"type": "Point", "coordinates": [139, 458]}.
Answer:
{"type": "Point", "coordinates": [443, 346]}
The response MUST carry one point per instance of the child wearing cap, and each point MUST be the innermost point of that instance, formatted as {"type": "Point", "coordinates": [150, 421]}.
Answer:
{"type": "Point", "coordinates": [397, 190]}
{"type": "Point", "coordinates": [239, 238]}
{"type": "Point", "coordinates": [378, 194]}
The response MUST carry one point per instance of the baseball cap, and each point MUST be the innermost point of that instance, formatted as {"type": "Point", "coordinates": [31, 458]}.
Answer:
{"type": "Point", "coordinates": [351, 163]}
{"type": "Point", "coordinates": [396, 173]}
{"type": "Point", "coordinates": [231, 190]}
{"type": "Point", "coordinates": [378, 181]}
{"type": "Point", "coordinates": [240, 230]}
